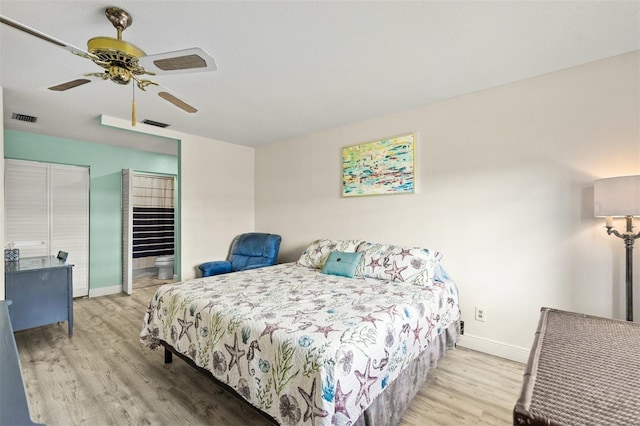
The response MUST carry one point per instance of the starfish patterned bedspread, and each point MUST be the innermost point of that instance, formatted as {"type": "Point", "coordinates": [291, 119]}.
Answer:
{"type": "Point", "coordinates": [302, 346]}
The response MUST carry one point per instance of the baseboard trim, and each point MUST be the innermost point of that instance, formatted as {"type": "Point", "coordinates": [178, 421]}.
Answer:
{"type": "Point", "coordinates": [491, 347]}
{"type": "Point", "coordinates": [105, 291]}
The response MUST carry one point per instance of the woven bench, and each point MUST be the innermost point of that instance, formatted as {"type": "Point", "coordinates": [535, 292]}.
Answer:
{"type": "Point", "coordinates": [582, 370]}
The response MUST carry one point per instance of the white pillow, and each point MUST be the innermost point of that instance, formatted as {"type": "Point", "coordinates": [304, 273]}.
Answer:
{"type": "Point", "coordinates": [317, 252]}
{"type": "Point", "coordinates": [396, 263]}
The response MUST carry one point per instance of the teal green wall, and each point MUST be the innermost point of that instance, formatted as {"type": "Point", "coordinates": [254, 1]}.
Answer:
{"type": "Point", "coordinates": [105, 164]}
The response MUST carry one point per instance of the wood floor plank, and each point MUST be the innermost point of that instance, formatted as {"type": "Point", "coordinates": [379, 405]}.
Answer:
{"type": "Point", "coordinates": [103, 376]}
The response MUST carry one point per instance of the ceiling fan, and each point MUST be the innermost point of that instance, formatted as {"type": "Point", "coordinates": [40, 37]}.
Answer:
{"type": "Point", "coordinates": [124, 62]}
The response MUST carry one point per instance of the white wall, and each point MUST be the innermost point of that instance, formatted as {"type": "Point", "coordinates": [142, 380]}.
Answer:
{"type": "Point", "coordinates": [505, 191]}
{"type": "Point", "coordinates": [217, 199]}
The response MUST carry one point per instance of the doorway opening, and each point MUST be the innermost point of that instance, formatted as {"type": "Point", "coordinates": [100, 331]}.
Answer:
{"type": "Point", "coordinates": [149, 229]}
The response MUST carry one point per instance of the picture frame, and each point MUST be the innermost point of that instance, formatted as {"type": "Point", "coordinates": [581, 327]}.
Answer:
{"type": "Point", "coordinates": [379, 167]}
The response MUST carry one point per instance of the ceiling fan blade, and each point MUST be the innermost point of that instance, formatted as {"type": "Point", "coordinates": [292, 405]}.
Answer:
{"type": "Point", "coordinates": [171, 97]}
{"type": "Point", "coordinates": [69, 84]}
{"type": "Point", "coordinates": [177, 102]}
{"type": "Point", "coordinates": [78, 80]}
{"type": "Point", "coordinates": [179, 62]}
{"type": "Point", "coordinates": [31, 31]}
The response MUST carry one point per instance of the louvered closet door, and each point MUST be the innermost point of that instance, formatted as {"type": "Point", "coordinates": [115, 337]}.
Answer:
{"type": "Point", "coordinates": [70, 221]}
{"type": "Point", "coordinates": [47, 210]}
{"type": "Point", "coordinates": [127, 232]}
{"type": "Point", "coordinates": [26, 204]}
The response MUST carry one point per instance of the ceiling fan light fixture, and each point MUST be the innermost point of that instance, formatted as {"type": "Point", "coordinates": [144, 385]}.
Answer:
{"type": "Point", "coordinates": [119, 75]}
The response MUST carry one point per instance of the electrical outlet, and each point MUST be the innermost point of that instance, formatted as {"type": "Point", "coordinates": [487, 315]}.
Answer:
{"type": "Point", "coordinates": [481, 314]}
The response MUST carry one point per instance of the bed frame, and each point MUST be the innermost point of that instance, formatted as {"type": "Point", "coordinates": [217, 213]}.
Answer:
{"type": "Point", "coordinates": [389, 407]}
{"type": "Point", "coordinates": [168, 358]}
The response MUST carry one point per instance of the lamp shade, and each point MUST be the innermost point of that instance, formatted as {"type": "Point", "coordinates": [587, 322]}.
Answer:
{"type": "Point", "coordinates": [617, 196]}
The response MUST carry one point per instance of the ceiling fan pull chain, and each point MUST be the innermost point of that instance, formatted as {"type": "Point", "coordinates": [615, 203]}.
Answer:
{"type": "Point", "coordinates": [133, 106]}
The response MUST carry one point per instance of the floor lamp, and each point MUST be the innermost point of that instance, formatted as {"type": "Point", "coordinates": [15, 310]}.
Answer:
{"type": "Point", "coordinates": [620, 197]}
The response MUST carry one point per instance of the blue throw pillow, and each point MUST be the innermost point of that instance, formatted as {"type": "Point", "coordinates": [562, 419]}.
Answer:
{"type": "Point", "coordinates": [342, 264]}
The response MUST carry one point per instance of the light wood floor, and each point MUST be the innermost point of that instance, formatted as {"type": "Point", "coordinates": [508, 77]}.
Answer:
{"type": "Point", "coordinates": [103, 376]}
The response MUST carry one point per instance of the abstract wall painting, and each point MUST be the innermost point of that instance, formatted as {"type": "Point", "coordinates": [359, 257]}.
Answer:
{"type": "Point", "coordinates": [384, 166]}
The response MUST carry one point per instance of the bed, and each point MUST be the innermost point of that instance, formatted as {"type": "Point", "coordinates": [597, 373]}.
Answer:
{"type": "Point", "coordinates": [309, 344]}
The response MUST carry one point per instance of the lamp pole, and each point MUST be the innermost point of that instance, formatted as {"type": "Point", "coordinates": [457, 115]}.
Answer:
{"type": "Point", "coordinates": [629, 237]}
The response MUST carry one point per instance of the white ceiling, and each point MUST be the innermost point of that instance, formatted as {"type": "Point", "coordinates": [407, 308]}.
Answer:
{"type": "Point", "coordinates": [292, 68]}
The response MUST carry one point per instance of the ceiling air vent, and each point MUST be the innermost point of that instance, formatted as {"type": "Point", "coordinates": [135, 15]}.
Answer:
{"type": "Point", "coordinates": [23, 117]}
{"type": "Point", "coordinates": [155, 123]}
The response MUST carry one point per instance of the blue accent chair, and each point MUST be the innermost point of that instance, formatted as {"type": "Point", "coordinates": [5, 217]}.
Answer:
{"type": "Point", "coordinates": [248, 251]}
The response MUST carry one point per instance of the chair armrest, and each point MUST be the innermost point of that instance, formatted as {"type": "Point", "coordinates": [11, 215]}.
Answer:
{"type": "Point", "coordinates": [255, 266]}
{"type": "Point", "coordinates": [216, 267]}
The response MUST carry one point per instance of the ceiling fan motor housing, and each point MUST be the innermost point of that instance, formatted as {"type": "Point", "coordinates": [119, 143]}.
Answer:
{"type": "Point", "coordinates": [118, 57]}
